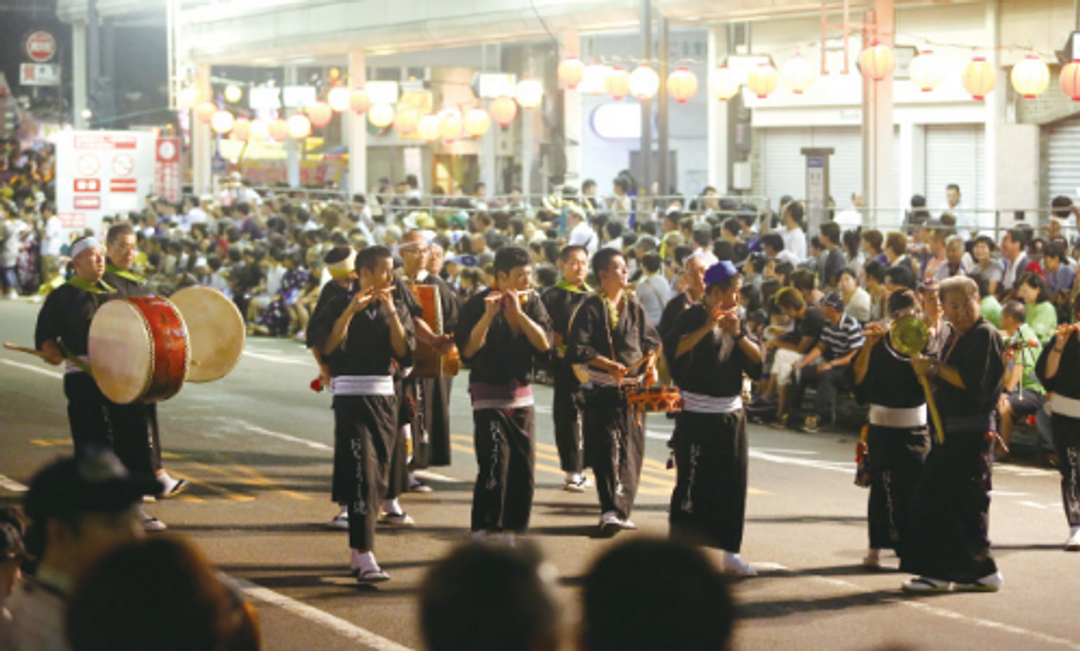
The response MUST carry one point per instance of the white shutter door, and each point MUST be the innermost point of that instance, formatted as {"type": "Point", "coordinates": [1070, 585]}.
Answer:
{"type": "Point", "coordinates": [783, 165]}
{"type": "Point", "coordinates": [1063, 155]}
{"type": "Point", "coordinates": [956, 154]}
{"type": "Point", "coordinates": [845, 165]}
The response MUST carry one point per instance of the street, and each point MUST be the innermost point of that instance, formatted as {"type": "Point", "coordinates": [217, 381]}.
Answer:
{"type": "Point", "coordinates": [257, 446]}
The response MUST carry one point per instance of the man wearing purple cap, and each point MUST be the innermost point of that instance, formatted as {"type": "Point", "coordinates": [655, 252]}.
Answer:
{"type": "Point", "coordinates": [708, 352]}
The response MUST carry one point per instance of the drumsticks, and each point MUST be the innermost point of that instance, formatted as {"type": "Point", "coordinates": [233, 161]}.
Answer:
{"type": "Point", "coordinates": [24, 349]}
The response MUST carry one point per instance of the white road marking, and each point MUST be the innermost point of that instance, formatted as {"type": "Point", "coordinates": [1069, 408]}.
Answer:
{"type": "Point", "coordinates": [325, 620]}
{"type": "Point", "coordinates": [35, 369]}
{"type": "Point", "coordinates": [997, 493]}
{"type": "Point", "coordinates": [314, 445]}
{"type": "Point", "coordinates": [10, 484]}
{"type": "Point", "coordinates": [1029, 635]}
{"type": "Point", "coordinates": [281, 360]}
{"type": "Point", "coordinates": [434, 476]}
{"type": "Point", "coordinates": [835, 466]}
{"type": "Point", "coordinates": [1034, 505]}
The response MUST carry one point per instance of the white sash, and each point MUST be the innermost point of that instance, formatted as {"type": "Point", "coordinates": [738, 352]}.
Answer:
{"type": "Point", "coordinates": [702, 404]}
{"type": "Point", "coordinates": [362, 385]}
{"type": "Point", "coordinates": [899, 417]}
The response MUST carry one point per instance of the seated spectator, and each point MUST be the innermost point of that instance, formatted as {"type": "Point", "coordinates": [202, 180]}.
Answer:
{"type": "Point", "coordinates": [1022, 395]}
{"type": "Point", "coordinates": [79, 510]}
{"type": "Point", "coordinates": [486, 598]}
{"type": "Point", "coordinates": [856, 299]}
{"type": "Point", "coordinates": [989, 307]}
{"type": "Point", "coordinates": [1060, 276]}
{"type": "Point", "coordinates": [874, 273]}
{"type": "Point", "coordinates": [841, 338]}
{"type": "Point", "coordinates": [686, 607]}
{"type": "Point", "coordinates": [896, 252]}
{"type": "Point", "coordinates": [1041, 313]}
{"type": "Point", "coordinates": [954, 260]}
{"type": "Point", "coordinates": [162, 590]}
{"type": "Point", "coordinates": [790, 348]}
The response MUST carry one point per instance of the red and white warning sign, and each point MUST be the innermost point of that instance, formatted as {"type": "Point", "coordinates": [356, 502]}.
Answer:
{"type": "Point", "coordinates": [40, 46]}
{"type": "Point", "coordinates": [88, 185]}
{"type": "Point", "coordinates": [101, 173]}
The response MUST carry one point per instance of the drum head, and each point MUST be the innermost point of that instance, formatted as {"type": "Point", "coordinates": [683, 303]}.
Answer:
{"type": "Point", "coordinates": [121, 351]}
{"type": "Point", "coordinates": [215, 332]}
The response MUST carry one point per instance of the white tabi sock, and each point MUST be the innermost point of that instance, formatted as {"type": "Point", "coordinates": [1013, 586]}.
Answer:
{"type": "Point", "coordinates": [391, 507]}
{"type": "Point", "coordinates": [364, 561]}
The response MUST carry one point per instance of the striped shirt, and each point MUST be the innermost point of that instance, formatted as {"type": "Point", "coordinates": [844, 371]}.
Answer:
{"type": "Point", "coordinates": [840, 339]}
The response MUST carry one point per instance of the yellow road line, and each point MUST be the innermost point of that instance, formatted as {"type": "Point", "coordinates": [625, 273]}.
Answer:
{"type": "Point", "coordinates": [214, 488]}
{"type": "Point", "coordinates": [255, 478]}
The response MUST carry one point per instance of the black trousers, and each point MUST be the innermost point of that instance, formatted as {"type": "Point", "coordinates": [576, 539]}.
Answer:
{"type": "Point", "coordinates": [895, 458]}
{"type": "Point", "coordinates": [614, 448]}
{"type": "Point", "coordinates": [506, 456]}
{"type": "Point", "coordinates": [947, 532]}
{"type": "Point", "coordinates": [708, 505]}
{"type": "Point", "coordinates": [435, 403]}
{"type": "Point", "coordinates": [96, 421]}
{"type": "Point", "coordinates": [368, 426]}
{"type": "Point", "coordinates": [1067, 445]}
{"type": "Point", "coordinates": [566, 412]}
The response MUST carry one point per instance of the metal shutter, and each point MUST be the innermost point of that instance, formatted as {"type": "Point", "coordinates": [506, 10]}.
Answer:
{"type": "Point", "coordinates": [784, 166]}
{"type": "Point", "coordinates": [957, 154]}
{"type": "Point", "coordinates": [1063, 156]}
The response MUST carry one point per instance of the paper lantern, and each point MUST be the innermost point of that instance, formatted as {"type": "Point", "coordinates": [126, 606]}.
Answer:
{"type": "Point", "coordinates": [205, 112]}
{"type": "Point", "coordinates": [617, 83]}
{"type": "Point", "coordinates": [188, 97]}
{"type": "Point", "coordinates": [278, 130]}
{"type": "Point", "coordinates": [1070, 80]}
{"type": "Point", "coordinates": [450, 125]}
{"type": "Point", "coordinates": [682, 85]}
{"type": "Point", "coordinates": [359, 101]}
{"type": "Point", "coordinates": [299, 126]}
{"type": "Point", "coordinates": [595, 79]}
{"type": "Point", "coordinates": [405, 122]}
{"type": "Point", "coordinates": [260, 129]}
{"type": "Point", "coordinates": [723, 83]}
{"type": "Point", "coordinates": [644, 82]}
{"type": "Point", "coordinates": [233, 94]}
{"type": "Point", "coordinates": [926, 71]}
{"type": "Point", "coordinates": [241, 129]}
{"type": "Point", "coordinates": [877, 61]}
{"type": "Point", "coordinates": [477, 122]}
{"type": "Point", "coordinates": [381, 115]}
{"type": "Point", "coordinates": [571, 72]}
{"type": "Point", "coordinates": [530, 93]}
{"type": "Point", "coordinates": [503, 110]}
{"type": "Point", "coordinates": [222, 122]}
{"type": "Point", "coordinates": [762, 80]}
{"type": "Point", "coordinates": [979, 77]}
{"type": "Point", "coordinates": [338, 99]}
{"type": "Point", "coordinates": [798, 74]}
{"type": "Point", "coordinates": [320, 114]}
{"type": "Point", "coordinates": [428, 128]}
{"type": "Point", "coordinates": [1030, 77]}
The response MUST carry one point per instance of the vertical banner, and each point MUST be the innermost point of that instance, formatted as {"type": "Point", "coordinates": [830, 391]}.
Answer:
{"type": "Point", "coordinates": [167, 169]}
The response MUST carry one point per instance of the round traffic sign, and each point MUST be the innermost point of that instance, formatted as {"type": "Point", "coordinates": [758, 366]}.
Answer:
{"type": "Point", "coordinates": [167, 151]}
{"type": "Point", "coordinates": [40, 46]}
{"type": "Point", "coordinates": [123, 165]}
{"type": "Point", "coordinates": [88, 165]}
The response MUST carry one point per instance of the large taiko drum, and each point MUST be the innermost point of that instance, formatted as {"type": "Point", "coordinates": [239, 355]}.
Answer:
{"type": "Point", "coordinates": [215, 331]}
{"type": "Point", "coordinates": [138, 349]}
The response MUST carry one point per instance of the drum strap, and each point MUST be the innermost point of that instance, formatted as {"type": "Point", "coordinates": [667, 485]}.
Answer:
{"type": "Point", "coordinates": [101, 288]}
{"type": "Point", "coordinates": [126, 274]}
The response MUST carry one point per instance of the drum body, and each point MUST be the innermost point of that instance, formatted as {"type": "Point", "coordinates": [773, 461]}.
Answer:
{"type": "Point", "coordinates": [215, 330]}
{"type": "Point", "coordinates": [653, 399]}
{"type": "Point", "coordinates": [138, 349]}
{"type": "Point", "coordinates": [427, 363]}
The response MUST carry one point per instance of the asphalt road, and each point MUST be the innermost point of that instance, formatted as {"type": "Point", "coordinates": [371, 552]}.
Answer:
{"type": "Point", "coordinates": [257, 446]}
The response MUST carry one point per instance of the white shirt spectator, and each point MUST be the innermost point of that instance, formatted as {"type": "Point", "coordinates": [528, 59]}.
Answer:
{"type": "Point", "coordinates": [795, 241]}
{"type": "Point", "coordinates": [53, 239]}
{"type": "Point", "coordinates": [653, 293]}
{"type": "Point", "coordinates": [584, 235]}
{"type": "Point", "coordinates": [858, 306]}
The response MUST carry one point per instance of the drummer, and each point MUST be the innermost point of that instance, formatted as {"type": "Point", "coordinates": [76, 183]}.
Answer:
{"type": "Point", "coordinates": [62, 335]}
{"type": "Point", "coordinates": [120, 256]}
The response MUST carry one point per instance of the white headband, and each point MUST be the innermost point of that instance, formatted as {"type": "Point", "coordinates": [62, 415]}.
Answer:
{"type": "Point", "coordinates": [83, 245]}
{"type": "Point", "coordinates": [344, 267]}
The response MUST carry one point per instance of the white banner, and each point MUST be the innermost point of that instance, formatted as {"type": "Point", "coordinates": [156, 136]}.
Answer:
{"type": "Point", "coordinates": [101, 173]}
